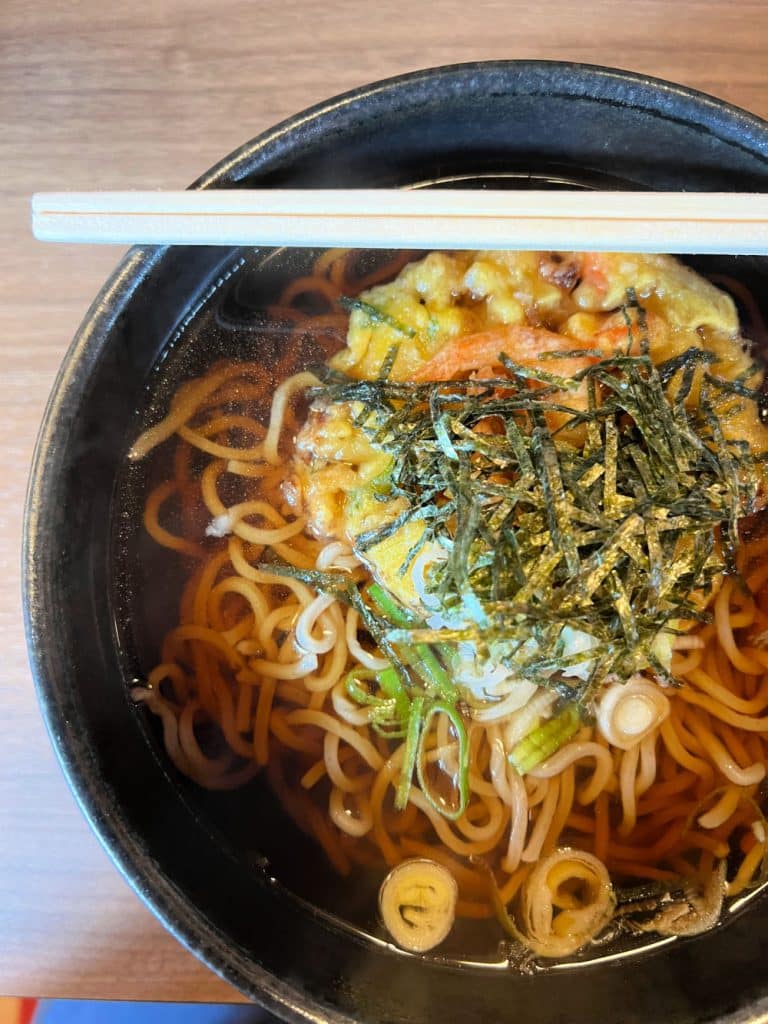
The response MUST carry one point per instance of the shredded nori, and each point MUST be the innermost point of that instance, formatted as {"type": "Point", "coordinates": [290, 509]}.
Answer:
{"type": "Point", "coordinates": [609, 536]}
{"type": "Point", "coordinates": [375, 315]}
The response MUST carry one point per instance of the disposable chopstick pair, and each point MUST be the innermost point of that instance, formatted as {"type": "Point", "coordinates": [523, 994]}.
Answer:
{"type": "Point", "coordinates": [681, 222]}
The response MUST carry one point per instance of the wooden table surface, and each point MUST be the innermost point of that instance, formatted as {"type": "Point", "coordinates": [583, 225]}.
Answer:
{"type": "Point", "coordinates": [149, 94]}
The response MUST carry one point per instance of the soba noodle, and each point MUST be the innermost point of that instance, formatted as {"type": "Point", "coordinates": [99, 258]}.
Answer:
{"type": "Point", "coordinates": [662, 784]}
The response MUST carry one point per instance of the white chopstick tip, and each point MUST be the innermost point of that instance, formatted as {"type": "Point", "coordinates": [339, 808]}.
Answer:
{"type": "Point", "coordinates": [36, 204]}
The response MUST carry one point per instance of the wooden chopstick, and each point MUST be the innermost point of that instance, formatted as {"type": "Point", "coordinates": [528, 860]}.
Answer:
{"type": "Point", "coordinates": [681, 222]}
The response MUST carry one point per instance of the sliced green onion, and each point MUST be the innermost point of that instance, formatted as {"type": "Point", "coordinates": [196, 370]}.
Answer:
{"type": "Point", "coordinates": [389, 715]}
{"type": "Point", "coordinates": [545, 740]}
{"type": "Point", "coordinates": [377, 631]}
{"type": "Point", "coordinates": [389, 607]}
{"type": "Point", "coordinates": [411, 749]}
{"type": "Point", "coordinates": [392, 685]}
{"type": "Point", "coordinates": [355, 691]}
{"type": "Point", "coordinates": [457, 722]}
{"type": "Point", "coordinates": [384, 722]}
{"type": "Point", "coordinates": [423, 661]}
{"type": "Point", "coordinates": [421, 658]}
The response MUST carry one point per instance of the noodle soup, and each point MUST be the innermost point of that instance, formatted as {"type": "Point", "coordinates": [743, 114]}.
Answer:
{"type": "Point", "coordinates": [462, 554]}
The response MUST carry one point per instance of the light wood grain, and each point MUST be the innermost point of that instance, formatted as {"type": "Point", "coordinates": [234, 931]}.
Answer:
{"type": "Point", "coordinates": [148, 95]}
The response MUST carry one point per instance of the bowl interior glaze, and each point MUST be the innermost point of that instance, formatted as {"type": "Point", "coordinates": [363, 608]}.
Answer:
{"type": "Point", "coordinates": [194, 859]}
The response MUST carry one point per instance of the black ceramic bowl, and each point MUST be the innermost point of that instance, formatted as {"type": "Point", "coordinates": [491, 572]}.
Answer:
{"type": "Point", "coordinates": [187, 853]}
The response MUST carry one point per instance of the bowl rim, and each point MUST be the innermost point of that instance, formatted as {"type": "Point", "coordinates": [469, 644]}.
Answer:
{"type": "Point", "coordinates": [723, 120]}
{"type": "Point", "coordinates": [727, 121]}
